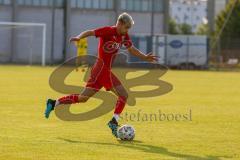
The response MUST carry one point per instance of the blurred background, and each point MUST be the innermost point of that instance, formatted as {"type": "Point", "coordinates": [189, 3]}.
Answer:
{"type": "Point", "coordinates": [186, 34]}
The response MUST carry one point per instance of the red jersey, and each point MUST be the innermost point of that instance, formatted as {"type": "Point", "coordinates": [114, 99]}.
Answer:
{"type": "Point", "coordinates": [109, 44]}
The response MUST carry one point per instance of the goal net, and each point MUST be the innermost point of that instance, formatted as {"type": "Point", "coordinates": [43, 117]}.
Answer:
{"type": "Point", "coordinates": [22, 43]}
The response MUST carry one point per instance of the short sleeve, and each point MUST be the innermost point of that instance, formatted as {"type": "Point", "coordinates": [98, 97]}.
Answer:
{"type": "Point", "coordinates": [102, 31]}
{"type": "Point", "coordinates": [127, 41]}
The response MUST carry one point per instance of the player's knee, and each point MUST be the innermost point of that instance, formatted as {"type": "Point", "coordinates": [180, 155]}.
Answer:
{"type": "Point", "coordinates": [125, 96]}
{"type": "Point", "coordinates": [83, 99]}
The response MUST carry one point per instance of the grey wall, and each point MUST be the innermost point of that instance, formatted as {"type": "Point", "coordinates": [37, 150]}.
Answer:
{"type": "Point", "coordinates": [5, 34]}
{"type": "Point", "coordinates": [28, 42]}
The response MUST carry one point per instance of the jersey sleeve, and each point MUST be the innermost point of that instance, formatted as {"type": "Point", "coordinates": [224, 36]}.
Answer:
{"type": "Point", "coordinates": [102, 31]}
{"type": "Point", "coordinates": [127, 41]}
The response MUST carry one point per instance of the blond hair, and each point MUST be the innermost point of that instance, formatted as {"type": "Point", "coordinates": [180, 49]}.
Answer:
{"type": "Point", "coordinates": [125, 18]}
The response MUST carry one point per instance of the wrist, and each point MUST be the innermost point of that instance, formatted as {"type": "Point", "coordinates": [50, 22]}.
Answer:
{"type": "Point", "coordinates": [144, 57]}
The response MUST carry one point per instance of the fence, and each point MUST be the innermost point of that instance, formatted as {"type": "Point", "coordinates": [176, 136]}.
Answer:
{"type": "Point", "coordinates": [176, 51]}
{"type": "Point", "coordinates": [225, 54]}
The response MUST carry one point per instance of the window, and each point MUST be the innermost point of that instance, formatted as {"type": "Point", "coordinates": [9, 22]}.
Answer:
{"type": "Point", "coordinates": [88, 4]}
{"type": "Point", "coordinates": [28, 2]}
{"type": "Point", "coordinates": [96, 4]}
{"type": "Point", "coordinates": [47, 3]}
{"type": "Point", "coordinates": [37, 2]}
{"type": "Point", "coordinates": [123, 4]}
{"type": "Point", "coordinates": [137, 5]}
{"type": "Point", "coordinates": [158, 5]}
{"type": "Point", "coordinates": [73, 3]}
{"type": "Point", "coordinates": [80, 3]}
{"type": "Point", "coordinates": [150, 5]}
{"type": "Point", "coordinates": [145, 5]}
{"type": "Point", "coordinates": [130, 5]}
{"type": "Point", "coordinates": [20, 2]}
{"type": "Point", "coordinates": [59, 3]}
{"type": "Point", "coordinates": [103, 4]}
{"type": "Point", "coordinates": [110, 4]}
{"type": "Point", "coordinates": [7, 2]}
{"type": "Point", "coordinates": [92, 4]}
{"type": "Point", "coordinates": [142, 5]}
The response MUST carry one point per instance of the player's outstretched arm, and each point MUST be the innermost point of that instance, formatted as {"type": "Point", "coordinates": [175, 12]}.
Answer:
{"type": "Point", "coordinates": [146, 57]}
{"type": "Point", "coordinates": [82, 35]}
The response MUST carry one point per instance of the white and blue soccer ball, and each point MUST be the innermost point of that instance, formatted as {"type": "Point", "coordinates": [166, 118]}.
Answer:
{"type": "Point", "coordinates": [126, 132]}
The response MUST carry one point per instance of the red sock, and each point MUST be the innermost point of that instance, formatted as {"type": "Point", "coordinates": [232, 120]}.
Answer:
{"type": "Point", "coordinates": [120, 104]}
{"type": "Point", "coordinates": [69, 99]}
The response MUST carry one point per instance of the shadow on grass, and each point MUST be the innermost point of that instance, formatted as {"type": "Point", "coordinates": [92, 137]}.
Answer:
{"type": "Point", "coordinates": [138, 145]}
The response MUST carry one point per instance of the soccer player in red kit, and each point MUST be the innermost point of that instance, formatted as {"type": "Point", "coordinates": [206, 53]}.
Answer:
{"type": "Point", "coordinates": [111, 38]}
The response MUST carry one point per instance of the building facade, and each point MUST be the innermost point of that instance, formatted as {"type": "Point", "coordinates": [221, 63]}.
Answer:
{"type": "Point", "coordinates": [192, 12]}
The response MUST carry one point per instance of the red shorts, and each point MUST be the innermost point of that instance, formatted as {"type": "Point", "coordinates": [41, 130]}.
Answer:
{"type": "Point", "coordinates": [104, 79]}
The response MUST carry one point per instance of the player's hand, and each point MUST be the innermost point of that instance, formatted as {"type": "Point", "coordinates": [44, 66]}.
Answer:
{"type": "Point", "coordinates": [74, 39]}
{"type": "Point", "coordinates": [151, 58]}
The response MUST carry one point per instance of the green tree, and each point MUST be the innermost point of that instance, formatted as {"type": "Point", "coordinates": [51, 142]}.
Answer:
{"type": "Point", "coordinates": [232, 27]}
{"type": "Point", "coordinates": [185, 28]}
{"type": "Point", "coordinates": [227, 31]}
{"type": "Point", "coordinates": [202, 29]}
{"type": "Point", "coordinates": [173, 27]}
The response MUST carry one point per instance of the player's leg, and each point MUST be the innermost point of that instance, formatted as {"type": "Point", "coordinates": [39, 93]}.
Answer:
{"type": "Point", "coordinates": [76, 98]}
{"type": "Point", "coordinates": [122, 94]}
{"type": "Point", "coordinates": [70, 99]}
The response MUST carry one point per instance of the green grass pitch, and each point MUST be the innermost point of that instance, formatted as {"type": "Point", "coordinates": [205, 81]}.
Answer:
{"type": "Point", "coordinates": [213, 132]}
